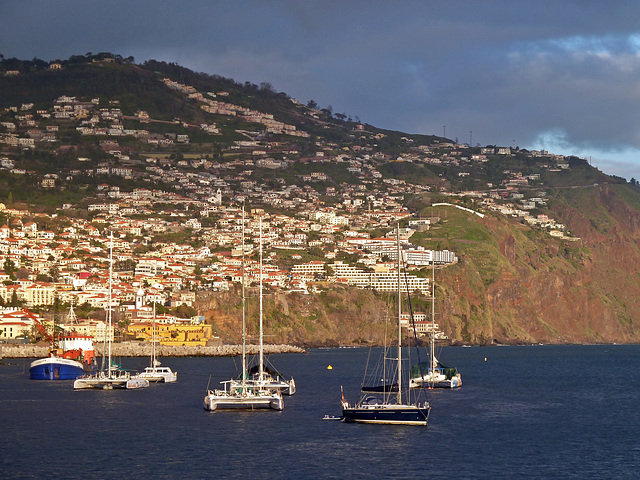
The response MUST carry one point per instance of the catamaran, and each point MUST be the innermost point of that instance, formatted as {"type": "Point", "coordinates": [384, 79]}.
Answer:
{"type": "Point", "coordinates": [109, 378]}
{"type": "Point", "coordinates": [155, 372]}
{"type": "Point", "coordinates": [262, 374]}
{"type": "Point", "coordinates": [434, 374]}
{"type": "Point", "coordinates": [245, 394]}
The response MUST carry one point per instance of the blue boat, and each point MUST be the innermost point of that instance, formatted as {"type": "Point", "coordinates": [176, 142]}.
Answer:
{"type": "Point", "coordinates": [386, 413]}
{"type": "Point", "coordinates": [392, 404]}
{"type": "Point", "coordinates": [55, 368]}
{"type": "Point", "coordinates": [69, 356]}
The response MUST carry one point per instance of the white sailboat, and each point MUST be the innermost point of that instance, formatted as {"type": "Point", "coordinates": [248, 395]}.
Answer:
{"type": "Point", "coordinates": [434, 374]}
{"type": "Point", "coordinates": [155, 372]}
{"type": "Point", "coordinates": [393, 404]}
{"type": "Point", "coordinates": [261, 374]}
{"type": "Point", "coordinates": [109, 378]}
{"type": "Point", "coordinates": [244, 394]}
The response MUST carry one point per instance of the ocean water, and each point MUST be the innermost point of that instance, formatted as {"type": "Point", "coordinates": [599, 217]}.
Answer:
{"type": "Point", "coordinates": [523, 412]}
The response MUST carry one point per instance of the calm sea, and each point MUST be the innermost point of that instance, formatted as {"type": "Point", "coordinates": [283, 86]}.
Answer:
{"type": "Point", "coordinates": [523, 412]}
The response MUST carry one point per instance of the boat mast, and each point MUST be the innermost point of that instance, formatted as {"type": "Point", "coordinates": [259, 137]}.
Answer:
{"type": "Point", "coordinates": [433, 316]}
{"type": "Point", "coordinates": [244, 327]}
{"type": "Point", "coordinates": [399, 401]}
{"type": "Point", "coordinates": [260, 271]}
{"type": "Point", "coordinates": [153, 348]}
{"type": "Point", "coordinates": [109, 304]}
{"type": "Point", "coordinates": [55, 318]}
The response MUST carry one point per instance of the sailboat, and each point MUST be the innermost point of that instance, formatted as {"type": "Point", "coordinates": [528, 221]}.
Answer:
{"type": "Point", "coordinates": [155, 372]}
{"type": "Point", "coordinates": [244, 394]}
{"type": "Point", "coordinates": [109, 378]}
{"type": "Point", "coordinates": [261, 374]}
{"type": "Point", "coordinates": [393, 404]}
{"type": "Point", "coordinates": [434, 374]}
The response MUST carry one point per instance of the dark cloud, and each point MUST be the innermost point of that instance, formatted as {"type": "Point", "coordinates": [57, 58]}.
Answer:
{"type": "Point", "coordinates": [555, 75]}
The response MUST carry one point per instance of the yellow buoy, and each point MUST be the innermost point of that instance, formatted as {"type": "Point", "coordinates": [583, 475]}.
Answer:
{"type": "Point", "coordinates": [485, 359]}
{"type": "Point", "coordinates": [329, 367]}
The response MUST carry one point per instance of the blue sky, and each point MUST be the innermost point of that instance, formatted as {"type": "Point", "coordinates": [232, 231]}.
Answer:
{"type": "Point", "coordinates": [561, 76]}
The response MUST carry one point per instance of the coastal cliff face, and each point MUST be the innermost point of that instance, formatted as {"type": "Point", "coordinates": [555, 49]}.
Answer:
{"type": "Point", "coordinates": [543, 289]}
{"type": "Point", "coordinates": [513, 284]}
{"type": "Point", "coordinates": [339, 316]}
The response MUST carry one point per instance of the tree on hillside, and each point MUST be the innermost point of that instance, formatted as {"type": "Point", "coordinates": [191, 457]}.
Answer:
{"type": "Point", "coordinates": [266, 86]}
{"type": "Point", "coordinates": [10, 268]}
{"type": "Point", "coordinates": [54, 273]}
{"type": "Point", "coordinates": [184, 311]}
{"type": "Point", "coordinates": [14, 300]}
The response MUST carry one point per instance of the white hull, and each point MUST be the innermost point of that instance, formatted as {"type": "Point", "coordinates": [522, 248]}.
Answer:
{"type": "Point", "coordinates": [261, 391]}
{"type": "Point", "coordinates": [223, 400]}
{"type": "Point", "coordinates": [158, 374]}
{"type": "Point", "coordinates": [110, 379]}
{"type": "Point", "coordinates": [437, 381]}
{"type": "Point", "coordinates": [134, 383]}
{"type": "Point", "coordinates": [286, 388]}
{"type": "Point", "coordinates": [101, 381]}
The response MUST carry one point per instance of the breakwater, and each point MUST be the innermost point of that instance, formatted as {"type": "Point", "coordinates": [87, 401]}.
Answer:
{"type": "Point", "coordinates": [134, 349]}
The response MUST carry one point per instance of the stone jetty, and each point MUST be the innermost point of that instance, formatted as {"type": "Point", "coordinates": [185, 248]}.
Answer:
{"type": "Point", "coordinates": [135, 349]}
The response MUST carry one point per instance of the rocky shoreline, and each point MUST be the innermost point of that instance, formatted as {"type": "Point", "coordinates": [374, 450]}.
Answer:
{"type": "Point", "coordinates": [133, 349]}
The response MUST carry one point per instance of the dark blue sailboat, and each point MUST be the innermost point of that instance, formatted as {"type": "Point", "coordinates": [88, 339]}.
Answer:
{"type": "Point", "coordinates": [393, 405]}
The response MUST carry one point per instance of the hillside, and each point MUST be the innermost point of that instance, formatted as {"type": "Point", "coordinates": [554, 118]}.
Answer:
{"type": "Point", "coordinates": [517, 285]}
{"type": "Point", "coordinates": [103, 120]}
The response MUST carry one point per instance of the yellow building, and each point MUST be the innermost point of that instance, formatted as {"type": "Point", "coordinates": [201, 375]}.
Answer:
{"type": "Point", "coordinates": [14, 329]}
{"type": "Point", "coordinates": [40, 294]}
{"type": "Point", "coordinates": [172, 334]}
{"type": "Point", "coordinates": [92, 328]}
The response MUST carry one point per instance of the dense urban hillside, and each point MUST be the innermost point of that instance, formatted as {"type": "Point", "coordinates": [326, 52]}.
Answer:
{"type": "Point", "coordinates": [548, 246]}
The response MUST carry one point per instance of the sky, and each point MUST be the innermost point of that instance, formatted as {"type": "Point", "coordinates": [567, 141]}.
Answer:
{"type": "Point", "coordinates": [562, 76]}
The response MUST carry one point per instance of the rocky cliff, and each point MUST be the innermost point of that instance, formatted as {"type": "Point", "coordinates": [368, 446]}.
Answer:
{"type": "Point", "coordinates": [529, 287]}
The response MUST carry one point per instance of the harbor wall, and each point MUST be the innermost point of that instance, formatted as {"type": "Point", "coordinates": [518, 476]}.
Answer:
{"type": "Point", "coordinates": [134, 349]}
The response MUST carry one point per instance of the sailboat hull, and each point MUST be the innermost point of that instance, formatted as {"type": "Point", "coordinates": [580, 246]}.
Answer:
{"type": "Point", "coordinates": [283, 386]}
{"type": "Point", "coordinates": [158, 375]}
{"type": "Point", "coordinates": [218, 400]}
{"type": "Point", "coordinates": [100, 382]}
{"type": "Point", "coordinates": [387, 414]}
{"type": "Point", "coordinates": [55, 368]}
{"type": "Point", "coordinates": [104, 381]}
{"type": "Point", "coordinates": [437, 381]}
{"type": "Point", "coordinates": [450, 384]}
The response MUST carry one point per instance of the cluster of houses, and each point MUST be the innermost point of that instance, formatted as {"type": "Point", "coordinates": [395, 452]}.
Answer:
{"type": "Point", "coordinates": [217, 107]}
{"type": "Point", "coordinates": [21, 324]}
{"type": "Point", "coordinates": [71, 264]}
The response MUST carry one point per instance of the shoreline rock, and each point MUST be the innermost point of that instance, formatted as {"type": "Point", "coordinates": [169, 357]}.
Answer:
{"type": "Point", "coordinates": [133, 349]}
